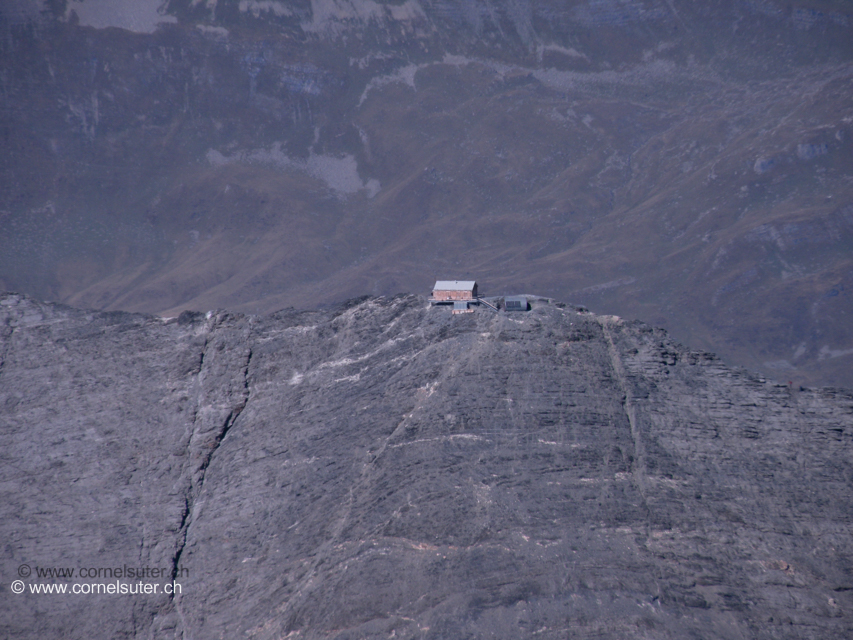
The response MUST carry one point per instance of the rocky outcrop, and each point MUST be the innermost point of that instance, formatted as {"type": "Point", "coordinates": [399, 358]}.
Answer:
{"type": "Point", "coordinates": [385, 469]}
{"type": "Point", "coordinates": [680, 162]}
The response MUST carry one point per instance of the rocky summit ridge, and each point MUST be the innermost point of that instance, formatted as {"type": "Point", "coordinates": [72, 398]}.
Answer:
{"type": "Point", "coordinates": [383, 469]}
{"type": "Point", "coordinates": [686, 163]}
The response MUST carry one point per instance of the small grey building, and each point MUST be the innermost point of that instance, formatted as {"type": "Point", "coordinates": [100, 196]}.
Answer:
{"type": "Point", "coordinates": [516, 303]}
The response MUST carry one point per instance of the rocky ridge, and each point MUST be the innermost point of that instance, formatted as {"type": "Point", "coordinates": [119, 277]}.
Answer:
{"type": "Point", "coordinates": [686, 164]}
{"type": "Point", "coordinates": [385, 469]}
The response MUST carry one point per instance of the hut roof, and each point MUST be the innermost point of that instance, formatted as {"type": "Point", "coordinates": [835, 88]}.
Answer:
{"type": "Point", "coordinates": [454, 285]}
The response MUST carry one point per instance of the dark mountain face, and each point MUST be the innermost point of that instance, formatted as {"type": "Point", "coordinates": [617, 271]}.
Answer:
{"type": "Point", "coordinates": [386, 469]}
{"type": "Point", "coordinates": [684, 163]}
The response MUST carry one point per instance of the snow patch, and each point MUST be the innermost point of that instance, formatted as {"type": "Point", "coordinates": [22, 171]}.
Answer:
{"type": "Point", "coordinates": [598, 288]}
{"type": "Point", "coordinates": [403, 75]}
{"type": "Point", "coordinates": [219, 32]}
{"type": "Point", "coordinates": [139, 16]}
{"type": "Point", "coordinates": [256, 7]}
{"type": "Point", "coordinates": [353, 378]}
{"type": "Point", "coordinates": [339, 173]}
{"type": "Point", "coordinates": [333, 17]}
{"type": "Point", "coordinates": [825, 352]}
{"type": "Point", "coordinates": [569, 52]}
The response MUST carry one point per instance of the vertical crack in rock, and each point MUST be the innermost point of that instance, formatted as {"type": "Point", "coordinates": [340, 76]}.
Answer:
{"type": "Point", "coordinates": [208, 449]}
{"type": "Point", "coordinates": [201, 356]}
{"type": "Point", "coordinates": [220, 434]}
{"type": "Point", "coordinates": [205, 442]}
{"type": "Point", "coordinates": [638, 464]}
{"type": "Point", "coordinates": [2, 360]}
{"type": "Point", "coordinates": [6, 333]}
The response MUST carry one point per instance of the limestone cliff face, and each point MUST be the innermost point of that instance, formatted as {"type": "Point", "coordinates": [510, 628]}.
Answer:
{"type": "Point", "coordinates": [386, 470]}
